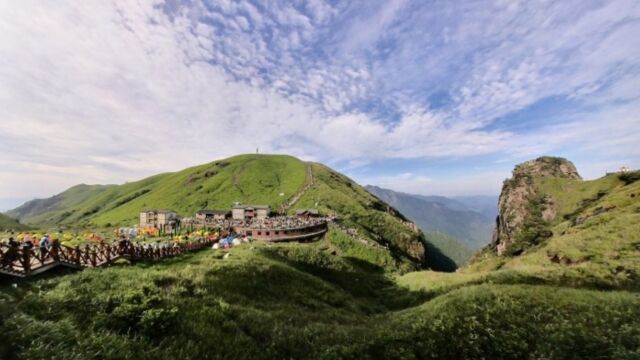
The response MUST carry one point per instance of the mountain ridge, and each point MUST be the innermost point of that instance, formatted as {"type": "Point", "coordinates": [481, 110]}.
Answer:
{"type": "Point", "coordinates": [438, 214]}
{"type": "Point", "coordinates": [266, 179]}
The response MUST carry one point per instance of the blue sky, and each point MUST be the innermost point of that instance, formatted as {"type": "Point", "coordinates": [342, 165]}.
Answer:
{"type": "Point", "coordinates": [430, 97]}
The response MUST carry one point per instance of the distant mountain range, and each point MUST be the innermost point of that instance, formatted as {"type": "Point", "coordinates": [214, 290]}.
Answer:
{"type": "Point", "coordinates": [457, 226]}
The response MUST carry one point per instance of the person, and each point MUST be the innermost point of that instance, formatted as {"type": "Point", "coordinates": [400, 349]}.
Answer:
{"type": "Point", "coordinates": [27, 244]}
{"type": "Point", "coordinates": [12, 253]}
{"type": "Point", "coordinates": [44, 245]}
{"type": "Point", "coordinates": [13, 243]}
{"type": "Point", "coordinates": [122, 243]}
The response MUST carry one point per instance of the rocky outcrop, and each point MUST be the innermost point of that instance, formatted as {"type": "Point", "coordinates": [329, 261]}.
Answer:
{"type": "Point", "coordinates": [522, 210]}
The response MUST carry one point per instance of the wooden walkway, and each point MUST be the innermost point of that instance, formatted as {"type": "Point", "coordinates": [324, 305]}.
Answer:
{"type": "Point", "coordinates": [24, 262]}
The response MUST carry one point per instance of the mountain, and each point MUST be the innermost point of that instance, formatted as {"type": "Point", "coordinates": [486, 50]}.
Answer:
{"type": "Point", "coordinates": [483, 204]}
{"type": "Point", "coordinates": [7, 223]}
{"type": "Point", "coordinates": [264, 179]}
{"type": "Point", "coordinates": [441, 214]}
{"type": "Point", "coordinates": [575, 294]}
{"type": "Point", "coordinates": [554, 223]}
{"type": "Point", "coordinates": [56, 208]}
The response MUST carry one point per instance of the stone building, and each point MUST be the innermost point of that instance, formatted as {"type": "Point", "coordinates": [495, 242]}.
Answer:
{"type": "Point", "coordinates": [211, 215]}
{"type": "Point", "coordinates": [158, 218]}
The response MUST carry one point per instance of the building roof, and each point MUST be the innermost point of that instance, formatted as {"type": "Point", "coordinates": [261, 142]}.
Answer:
{"type": "Point", "coordinates": [159, 211]}
{"type": "Point", "coordinates": [310, 211]}
{"type": "Point", "coordinates": [212, 212]}
{"type": "Point", "coordinates": [242, 206]}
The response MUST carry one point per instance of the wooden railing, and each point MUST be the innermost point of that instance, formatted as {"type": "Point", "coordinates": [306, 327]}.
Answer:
{"type": "Point", "coordinates": [22, 262]}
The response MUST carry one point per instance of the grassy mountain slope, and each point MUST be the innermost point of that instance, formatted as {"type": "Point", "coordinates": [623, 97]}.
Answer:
{"type": "Point", "coordinates": [449, 247]}
{"type": "Point", "coordinates": [594, 234]}
{"type": "Point", "coordinates": [357, 209]}
{"type": "Point", "coordinates": [7, 223]}
{"type": "Point", "coordinates": [300, 301]}
{"type": "Point", "coordinates": [55, 208]}
{"type": "Point", "coordinates": [244, 178]}
{"type": "Point", "coordinates": [334, 299]}
{"type": "Point", "coordinates": [257, 179]}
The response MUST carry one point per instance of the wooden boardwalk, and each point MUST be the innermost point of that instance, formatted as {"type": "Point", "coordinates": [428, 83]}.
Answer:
{"type": "Point", "coordinates": [23, 262]}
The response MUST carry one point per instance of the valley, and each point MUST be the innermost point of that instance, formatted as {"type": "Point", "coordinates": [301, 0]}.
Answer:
{"type": "Point", "coordinates": [367, 289]}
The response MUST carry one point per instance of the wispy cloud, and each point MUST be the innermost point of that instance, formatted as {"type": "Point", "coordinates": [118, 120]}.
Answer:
{"type": "Point", "coordinates": [112, 91]}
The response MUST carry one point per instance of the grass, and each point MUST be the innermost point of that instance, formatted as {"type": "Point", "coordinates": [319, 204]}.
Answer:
{"type": "Point", "coordinates": [281, 301]}
{"type": "Point", "coordinates": [574, 295]}
{"type": "Point", "coordinates": [334, 193]}
{"type": "Point", "coordinates": [597, 246]}
{"type": "Point", "coordinates": [217, 185]}
{"type": "Point", "coordinates": [301, 301]}
{"type": "Point", "coordinates": [7, 223]}
{"type": "Point", "coordinates": [255, 179]}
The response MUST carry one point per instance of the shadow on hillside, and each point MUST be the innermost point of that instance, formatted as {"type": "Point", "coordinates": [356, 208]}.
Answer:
{"type": "Point", "coordinates": [438, 261]}
{"type": "Point", "coordinates": [360, 279]}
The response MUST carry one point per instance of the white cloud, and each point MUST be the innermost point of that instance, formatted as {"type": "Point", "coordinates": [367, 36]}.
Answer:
{"type": "Point", "coordinates": [107, 92]}
{"type": "Point", "coordinates": [487, 183]}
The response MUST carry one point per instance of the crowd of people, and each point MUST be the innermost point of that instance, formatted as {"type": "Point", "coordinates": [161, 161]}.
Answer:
{"type": "Point", "coordinates": [285, 222]}
{"type": "Point", "coordinates": [29, 242]}
{"type": "Point", "coordinates": [276, 222]}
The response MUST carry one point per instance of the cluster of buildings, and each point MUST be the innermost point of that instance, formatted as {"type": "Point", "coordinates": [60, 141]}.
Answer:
{"type": "Point", "coordinates": [248, 220]}
{"type": "Point", "coordinates": [168, 219]}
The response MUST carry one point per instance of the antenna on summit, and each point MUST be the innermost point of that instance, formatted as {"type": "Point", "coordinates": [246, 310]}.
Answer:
{"type": "Point", "coordinates": [257, 152]}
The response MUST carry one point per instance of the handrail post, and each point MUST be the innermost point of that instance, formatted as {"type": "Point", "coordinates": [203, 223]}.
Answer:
{"type": "Point", "coordinates": [92, 255]}
{"type": "Point", "coordinates": [26, 261]}
{"type": "Point", "coordinates": [77, 257]}
{"type": "Point", "coordinates": [55, 253]}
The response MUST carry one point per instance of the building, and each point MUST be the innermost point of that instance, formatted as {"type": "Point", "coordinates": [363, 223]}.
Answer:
{"type": "Point", "coordinates": [211, 215]}
{"type": "Point", "coordinates": [307, 213]}
{"type": "Point", "coordinates": [245, 212]}
{"type": "Point", "coordinates": [305, 233]}
{"type": "Point", "coordinates": [159, 219]}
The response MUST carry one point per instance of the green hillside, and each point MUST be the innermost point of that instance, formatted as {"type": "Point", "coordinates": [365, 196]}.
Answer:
{"type": "Point", "coordinates": [302, 301]}
{"type": "Point", "coordinates": [594, 234]}
{"type": "Point", "coordinates": [257, 179]}
{"type": "Point", "coordinates": [216, 185]}
{"type": "Point", "coordinates": [7, 223]}
{"type": "Point", "coordinates": [574, 295]}
{"type": "Point", "coordinates": [451, 250]}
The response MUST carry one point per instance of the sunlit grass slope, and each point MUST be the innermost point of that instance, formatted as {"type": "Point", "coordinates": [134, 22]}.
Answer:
{"type": "Point", "coordinates": [7, 223]}
{"type": "Point", "coordinates": [595, 234]}
{"type": "Point", "coordinates": [301, 301]}
{"type": "Point", "coordinates": [258, 179]}
{"type": "Point", "coordinates": [254, 179]}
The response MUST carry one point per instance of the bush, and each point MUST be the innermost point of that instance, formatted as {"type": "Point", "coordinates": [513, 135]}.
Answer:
{"type": "Point", "coordinates": [630, 177]}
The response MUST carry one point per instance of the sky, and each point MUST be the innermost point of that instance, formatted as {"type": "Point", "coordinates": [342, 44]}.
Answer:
{"type": "Point", "coordinates": [428, 97]}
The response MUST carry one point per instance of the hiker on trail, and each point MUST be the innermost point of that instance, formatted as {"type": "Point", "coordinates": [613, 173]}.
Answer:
{"type": "Point", "coordinates": [44, 245]}
{"type": "Point", "coordinates": [13, 243]}
{"type": "Point", "coordinates": [27, 244]}
{"type": "Point", "coordinates": [12, 253]}
{"type": "Point", "coordinates": [123, 243]}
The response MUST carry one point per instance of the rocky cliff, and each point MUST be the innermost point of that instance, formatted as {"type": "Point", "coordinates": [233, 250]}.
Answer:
{"type": "Point", "coordinates": [523, 211]}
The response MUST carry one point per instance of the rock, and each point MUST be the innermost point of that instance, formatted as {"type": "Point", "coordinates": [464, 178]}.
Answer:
{"type": "Point", "coordinates": [519, 194]}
